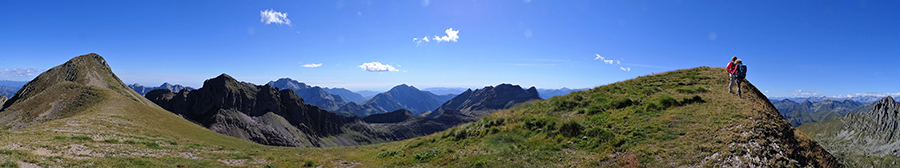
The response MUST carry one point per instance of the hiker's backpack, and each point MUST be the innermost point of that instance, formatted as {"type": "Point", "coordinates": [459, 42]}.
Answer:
{"type": "Point", "coordinates": [741, 71]}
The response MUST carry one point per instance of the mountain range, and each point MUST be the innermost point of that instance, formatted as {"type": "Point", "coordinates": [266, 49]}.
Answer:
{"type": "Point", "coordinates": [483, 101]}
{"type": "Point", "coordinates": [859, 97]}
{"type": "Point", "coordinates": [807, 112]}
{"type": "Point", "coordinates": [863, 139]}
{"type": "Point", "coordinates": [79, 114]}
{"type": "Point", "coordinates": [311, 94]}
{"type": "Point", "coordinates": [548, 93]}
{"type": "Point", "coordinates": [140, 89]}
{"type": "Point", "coordinates": [9, 88]}
{"type": "Point", "coordinates": [347, 95]}
{"type": "Point", "coordinates": [399, 97]}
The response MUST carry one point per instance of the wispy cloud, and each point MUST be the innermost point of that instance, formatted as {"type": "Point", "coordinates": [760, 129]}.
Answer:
{"type": "Point", "coordinates": [19, 73]}
{"type": "Point", "coordinates": [378, 67]}
{"type": "Point", "coordinates": [452, 35]}
{"type": "Point", "coordinates": [604, 59]}
{"type": "Point", "coordinates": [271, 16]}
{"type": "Point", "coordinates": [311, 65]}
{"type": "Point", "coordinates": [609, 61]}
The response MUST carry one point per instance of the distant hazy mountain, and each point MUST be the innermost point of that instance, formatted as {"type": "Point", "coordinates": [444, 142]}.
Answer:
{"type": "Point", "coordinates": [367, 94]}
{"type": "Point", "coordinates": [8, 88]}
{"type": "Point", "coordinates": [864, 139]}
{"type": "Point", "coordinates": [441, 98]}
{"type": "Point", "coordinates": [13, 83]}
{"type": "Point", "coordinates": [807, 112]}
{"type": "Point", "coordinates": [862, 98]}
{"type": "Point", "coordinates": [311, 94]}
{"type": "Point", "coordinates": [483, 101]}
{"type": "Point", "coordinates": [8, 91]}
{"type": "Point", "coordinates": [445, 90]}
{"type": "Point", "coordinates": [348, 95]}
{"type": "Point", "coordinates": [400, 97]}
{"type": "Point", "coordinates": [548, 93]}
{"type": "Point", "coordinates": [140, 89]}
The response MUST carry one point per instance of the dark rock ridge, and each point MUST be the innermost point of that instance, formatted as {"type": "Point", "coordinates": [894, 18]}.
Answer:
{"type": "Point", "coordinates": [348, 95]}
{"type": "Point", "coordinates": [140, 89]}
{"type": "Point", "coordinates": [400, 97]}
{"type": "Point", "coordinates": [267, 116]}
{"type": "Point", "coordinates": [311, 94]}
{"type": "Point", "coordinates": [861, 135]}
{"type": "Point", "coordinates": [483, 101]}
{"type": "Point", "coordinates": [806, 112]}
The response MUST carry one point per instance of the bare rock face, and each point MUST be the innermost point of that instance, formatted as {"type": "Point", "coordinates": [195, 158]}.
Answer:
{"type": "Point", "coordinates": [265, 115]}
{"type": "Point", "coordinates": [257, 113]}
{"type": "Point", "coordinates": [2, 100]}
{"type": "Point", "coordinates": [866, 134]}
{"type": "Point", "coordinates": [488, 99]}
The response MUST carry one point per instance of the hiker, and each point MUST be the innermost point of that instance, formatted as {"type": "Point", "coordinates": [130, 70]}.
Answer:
{"type": "Point", "coordinates": [735, 74]}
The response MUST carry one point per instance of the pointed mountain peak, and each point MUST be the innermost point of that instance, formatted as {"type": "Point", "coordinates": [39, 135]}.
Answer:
{"type": "Point", "coordinates": [403, 87]}
{"type": "Point", "coordinates": [221, 80]}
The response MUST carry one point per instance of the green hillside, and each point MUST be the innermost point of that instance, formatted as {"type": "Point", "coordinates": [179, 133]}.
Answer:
{"type": "Point", "coordinates": [679, 118]}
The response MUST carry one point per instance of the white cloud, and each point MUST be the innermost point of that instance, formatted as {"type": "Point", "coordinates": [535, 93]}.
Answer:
{"type": "Point", "coordinates": [801, 93]}
{"type": "Point", "coordinates": [607, 61]}
{"type": "Point", "coordinates": [311, 65]}
{"type": "Point", "coordinates": [604, 59]}
{"type": "Point", "coordinates": [19, 73]}
{"type": "Point", "coordinates": [271, 16]}
{"type": "Point", "coordinates": [378, 67]}
{"type": "Point", "coordinates": [451, 36]}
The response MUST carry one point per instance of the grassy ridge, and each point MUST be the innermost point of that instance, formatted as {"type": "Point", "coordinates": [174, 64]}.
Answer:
{"type": "Point", "coordinates": [683, 117]}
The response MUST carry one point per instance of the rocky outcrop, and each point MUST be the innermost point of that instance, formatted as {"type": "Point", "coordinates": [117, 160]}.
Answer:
{"type": "Point", "coordinates": [311, 94]}
{"type": "Point", "coordinates": [874, 133]}
{"type": "Point", "coordinates": [257, 113]}
{"type": "Point", "coordinates": [265, 115]}
{"type": "Point", "coordinates": [2, 99]}
{"type": "Point", "coordinates": [482, 101]}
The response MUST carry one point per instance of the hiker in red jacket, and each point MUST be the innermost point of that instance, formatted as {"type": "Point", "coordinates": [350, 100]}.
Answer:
{"type": "Point", "coordinates": [732, 74]}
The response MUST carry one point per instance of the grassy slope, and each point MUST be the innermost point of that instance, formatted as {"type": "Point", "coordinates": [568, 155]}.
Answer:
{"type": "Point", "coordinates": [648, 121]}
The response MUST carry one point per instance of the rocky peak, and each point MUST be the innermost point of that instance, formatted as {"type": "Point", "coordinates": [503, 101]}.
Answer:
{"type": "Point", "coordinates": [288, 83]}
{"type": "Point", "coordinates": [403, 88]}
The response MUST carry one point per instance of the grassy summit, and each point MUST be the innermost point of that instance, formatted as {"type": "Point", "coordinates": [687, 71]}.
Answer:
{"type": "Point", "coordinates": [678, 118]}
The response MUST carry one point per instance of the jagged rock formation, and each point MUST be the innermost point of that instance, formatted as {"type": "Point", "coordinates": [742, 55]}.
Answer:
{"type": "Point", "coordinates": [311, 94]}
{"type": "Point", "coordinates": [348, 95]}
{"type": "Point", "coordinates": [64, 91]}
{"type": "Point", "coordinates": [483, 101]}
{"type": "Point", "coordinates": [140, 89]}
{"type": "Point", "coordinates": [265, 115]}
{"type": "Point", "coordinates": [400, 97]}
{"type": "Point", "coordinates": [806, 112]}
{"type": "Point", "coordinates": [873, 133]}
{"type": "Point", "coordinates": [2, 99]}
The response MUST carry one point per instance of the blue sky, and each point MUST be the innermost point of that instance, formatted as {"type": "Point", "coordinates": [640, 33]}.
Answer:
{"type": "Point", "coordinates": [830, 47]}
